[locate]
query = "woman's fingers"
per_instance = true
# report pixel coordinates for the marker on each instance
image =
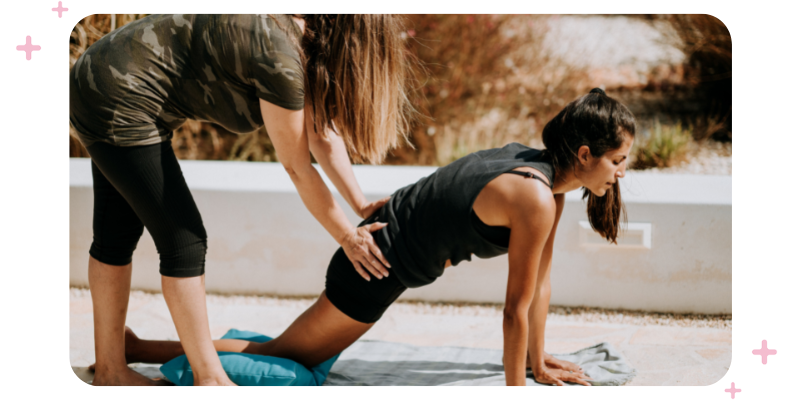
(379, 255)
(374, 254)
(375, 226)
(362, 251)
(576, 379)
(368, 266)
(360, 270)
(370, 208)
(374, 266)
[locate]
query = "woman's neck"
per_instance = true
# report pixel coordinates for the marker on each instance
(565, 181)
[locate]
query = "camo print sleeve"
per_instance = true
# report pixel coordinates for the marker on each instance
(277, 69)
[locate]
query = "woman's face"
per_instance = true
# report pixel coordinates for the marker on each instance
(599, 174)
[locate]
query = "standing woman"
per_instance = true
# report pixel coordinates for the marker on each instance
(331, 85)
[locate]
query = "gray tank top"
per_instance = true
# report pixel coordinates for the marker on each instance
(430, 221)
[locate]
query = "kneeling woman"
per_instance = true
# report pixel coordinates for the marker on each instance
(491, 202)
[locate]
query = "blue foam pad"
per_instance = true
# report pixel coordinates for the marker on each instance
(251, 369)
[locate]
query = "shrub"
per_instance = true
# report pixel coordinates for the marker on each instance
(662, 147)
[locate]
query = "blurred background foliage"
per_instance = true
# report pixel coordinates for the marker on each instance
(482, 81)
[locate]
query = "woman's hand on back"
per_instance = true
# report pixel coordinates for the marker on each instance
(363, 252)
(367, 209)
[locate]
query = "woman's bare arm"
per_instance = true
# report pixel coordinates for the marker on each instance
(538, 315)
(331, 153)
(541, 298)
(286, 130)
(530, 209)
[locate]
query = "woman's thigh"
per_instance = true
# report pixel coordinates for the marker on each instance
(348, 308)
(321, 332)
(362, 300)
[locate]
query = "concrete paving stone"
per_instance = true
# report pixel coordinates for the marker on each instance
(720, 354)
(697, 376)
(654, 358)
(80, 306)
(564, 346)
(615, 340)
(649, 378)
(579, 331)
(687, 336)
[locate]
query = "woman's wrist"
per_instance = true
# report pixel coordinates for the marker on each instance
(346, 235)
(359, 206)
(538, 368)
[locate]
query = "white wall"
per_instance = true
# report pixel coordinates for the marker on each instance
(262, 240)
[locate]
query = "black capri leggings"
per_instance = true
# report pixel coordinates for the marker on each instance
(142, 186)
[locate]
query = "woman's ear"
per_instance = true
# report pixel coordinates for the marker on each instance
(584, 155)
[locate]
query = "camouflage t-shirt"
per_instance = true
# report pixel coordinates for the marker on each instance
(140, 82)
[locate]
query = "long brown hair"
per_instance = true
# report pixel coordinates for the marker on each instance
(601, 123)
(356, 80)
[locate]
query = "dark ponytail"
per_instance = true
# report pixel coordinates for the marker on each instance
(601, 123)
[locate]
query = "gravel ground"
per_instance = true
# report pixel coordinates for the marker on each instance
(557, 313)
(578, 315)
(710, 158)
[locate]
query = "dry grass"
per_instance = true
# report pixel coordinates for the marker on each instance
(485, 81)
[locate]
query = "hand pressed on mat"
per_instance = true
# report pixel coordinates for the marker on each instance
(557, 377)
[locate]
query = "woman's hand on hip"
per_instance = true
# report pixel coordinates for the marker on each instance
(367, 209)
(360, 248)
(558, 376)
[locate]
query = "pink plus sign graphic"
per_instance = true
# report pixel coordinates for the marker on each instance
(60, 9)
(733, 390)
(28, 48)
(764, 352)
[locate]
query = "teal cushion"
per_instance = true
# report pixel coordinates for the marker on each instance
(251, 369)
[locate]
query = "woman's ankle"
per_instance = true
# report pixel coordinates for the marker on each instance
(132, 346)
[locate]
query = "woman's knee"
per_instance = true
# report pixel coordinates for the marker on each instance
(184, 262)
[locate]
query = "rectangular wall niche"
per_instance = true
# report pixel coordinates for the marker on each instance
(636, 235)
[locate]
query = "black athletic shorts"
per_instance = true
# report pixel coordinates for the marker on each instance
(362, 300)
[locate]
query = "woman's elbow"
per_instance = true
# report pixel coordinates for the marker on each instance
(297, 170)
(514, 314)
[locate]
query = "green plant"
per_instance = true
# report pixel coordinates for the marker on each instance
(664, 147)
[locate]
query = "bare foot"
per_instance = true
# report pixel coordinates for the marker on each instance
(125, 377)
(131, 341)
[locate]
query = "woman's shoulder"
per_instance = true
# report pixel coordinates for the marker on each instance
(278, 73)
(281, 31)
(516, 197)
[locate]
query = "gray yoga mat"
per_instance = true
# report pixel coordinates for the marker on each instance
(377, 363)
